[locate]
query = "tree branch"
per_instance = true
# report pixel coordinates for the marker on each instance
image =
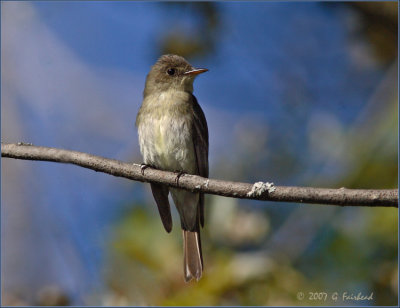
(257, 191)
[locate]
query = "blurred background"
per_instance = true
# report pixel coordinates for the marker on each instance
(297, 94)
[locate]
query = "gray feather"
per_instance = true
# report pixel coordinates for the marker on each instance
(192, 259)
(200, 142)
(160, 194)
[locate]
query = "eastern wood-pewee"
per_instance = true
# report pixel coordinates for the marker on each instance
(173, 136)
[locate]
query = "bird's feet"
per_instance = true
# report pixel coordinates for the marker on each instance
(143, 167)
(178, 176)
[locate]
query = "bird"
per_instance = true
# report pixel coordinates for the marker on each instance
(173, 136)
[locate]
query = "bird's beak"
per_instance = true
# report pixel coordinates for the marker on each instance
(196, 71)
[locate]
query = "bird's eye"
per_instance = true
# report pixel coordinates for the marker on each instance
(171, 71)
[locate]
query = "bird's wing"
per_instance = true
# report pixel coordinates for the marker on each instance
(200, 142)
(160, 193)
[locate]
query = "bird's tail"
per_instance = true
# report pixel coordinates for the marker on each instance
(192, 256)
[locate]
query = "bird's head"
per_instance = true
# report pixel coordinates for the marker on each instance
(171, 72)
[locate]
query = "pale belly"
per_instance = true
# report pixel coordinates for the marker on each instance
(167, 144)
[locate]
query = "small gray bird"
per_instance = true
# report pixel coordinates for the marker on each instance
(173, 136)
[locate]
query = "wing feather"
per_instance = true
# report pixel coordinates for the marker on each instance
(160, 194)
(200, 143)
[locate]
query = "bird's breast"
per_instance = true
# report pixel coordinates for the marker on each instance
(165, 134)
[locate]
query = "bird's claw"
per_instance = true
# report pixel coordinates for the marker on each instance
(143, 167)
(178, 176)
